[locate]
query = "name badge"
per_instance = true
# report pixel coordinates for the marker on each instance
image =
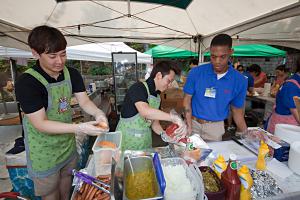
(210, 92)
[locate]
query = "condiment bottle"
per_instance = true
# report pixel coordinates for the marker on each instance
(231, 179)
(219, 165)
(169, 135)
(262, 153)
(246, 183)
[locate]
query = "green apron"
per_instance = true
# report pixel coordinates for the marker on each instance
(136, 130)
(47, 153)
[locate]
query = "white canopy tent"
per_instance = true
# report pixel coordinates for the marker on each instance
(89, 52)
(6, 52)
(187, 24)
(102, 52)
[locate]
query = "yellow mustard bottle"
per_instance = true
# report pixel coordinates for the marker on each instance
(219, 165)
(246, 183)
(262, 153)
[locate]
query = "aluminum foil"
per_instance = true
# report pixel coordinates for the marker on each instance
(263, 185)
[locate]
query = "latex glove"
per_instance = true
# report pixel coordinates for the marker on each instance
(181, 131)
(89, 128)
(166, 138)
(254, 135)
(101, 117)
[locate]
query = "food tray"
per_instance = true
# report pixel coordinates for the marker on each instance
(140, 164)
(194, 177)
(220, 195)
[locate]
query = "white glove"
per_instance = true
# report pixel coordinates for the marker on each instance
(254, 135)
(89, 128)
(166, 138)
(101, 117)
(181, 131)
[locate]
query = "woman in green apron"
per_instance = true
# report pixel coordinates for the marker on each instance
(140, 111)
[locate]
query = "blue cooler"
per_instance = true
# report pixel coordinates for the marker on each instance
(18, 174)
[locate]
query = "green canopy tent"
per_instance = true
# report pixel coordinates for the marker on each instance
(162, 51)
(255, 50)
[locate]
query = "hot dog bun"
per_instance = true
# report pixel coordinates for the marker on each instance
(102, 125)
(107, 144)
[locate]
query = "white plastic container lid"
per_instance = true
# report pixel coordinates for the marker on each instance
(232, 156)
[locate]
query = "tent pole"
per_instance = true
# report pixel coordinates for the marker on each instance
(81, 67)
(200, 53)
(129, 9)
(12, 71)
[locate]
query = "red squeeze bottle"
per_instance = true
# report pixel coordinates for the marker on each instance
(231, 179)
(171, 129)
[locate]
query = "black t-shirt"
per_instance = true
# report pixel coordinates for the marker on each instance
(137, 92)
(33, 95)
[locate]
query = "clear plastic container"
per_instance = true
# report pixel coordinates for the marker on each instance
(137, 167)
(193, 176)
(103, 155)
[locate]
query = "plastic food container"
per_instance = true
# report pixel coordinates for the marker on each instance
(194, 178)
(140, 180)
(220, 195)
(190, 156)
(103, 155)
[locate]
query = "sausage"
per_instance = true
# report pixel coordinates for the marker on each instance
(81, 188)
(86, 191)
(92, 193)
(107, 198)
(98, 192)
(89, 193)
(104, 196)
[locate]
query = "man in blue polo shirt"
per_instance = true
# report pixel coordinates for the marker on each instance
(248, 76)
(211, 89)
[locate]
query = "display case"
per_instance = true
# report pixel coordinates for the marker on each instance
(124, 75)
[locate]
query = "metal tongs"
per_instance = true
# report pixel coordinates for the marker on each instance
(91, 180)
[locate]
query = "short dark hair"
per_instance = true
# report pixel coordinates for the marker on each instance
(194, 61)
(46, 39)
(240, 66)
(281, 68)
(298, 65)
(164, 67)
(221, 40)
(255, 68)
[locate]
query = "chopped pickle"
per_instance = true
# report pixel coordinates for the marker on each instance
(210, 182)
(141, 185)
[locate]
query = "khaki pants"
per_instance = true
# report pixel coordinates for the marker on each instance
(45, 186)
(209, 131)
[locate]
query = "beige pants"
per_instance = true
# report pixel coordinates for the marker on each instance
(209, 131)
(45, 186)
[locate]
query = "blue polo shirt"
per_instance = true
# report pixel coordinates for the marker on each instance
(284, 97)
(250, 79)
(231, 89)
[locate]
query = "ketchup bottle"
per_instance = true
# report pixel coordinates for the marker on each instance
(231, 179)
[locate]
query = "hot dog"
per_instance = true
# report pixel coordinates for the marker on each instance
(102, 125)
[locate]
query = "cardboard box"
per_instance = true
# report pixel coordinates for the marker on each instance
(172, 99)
